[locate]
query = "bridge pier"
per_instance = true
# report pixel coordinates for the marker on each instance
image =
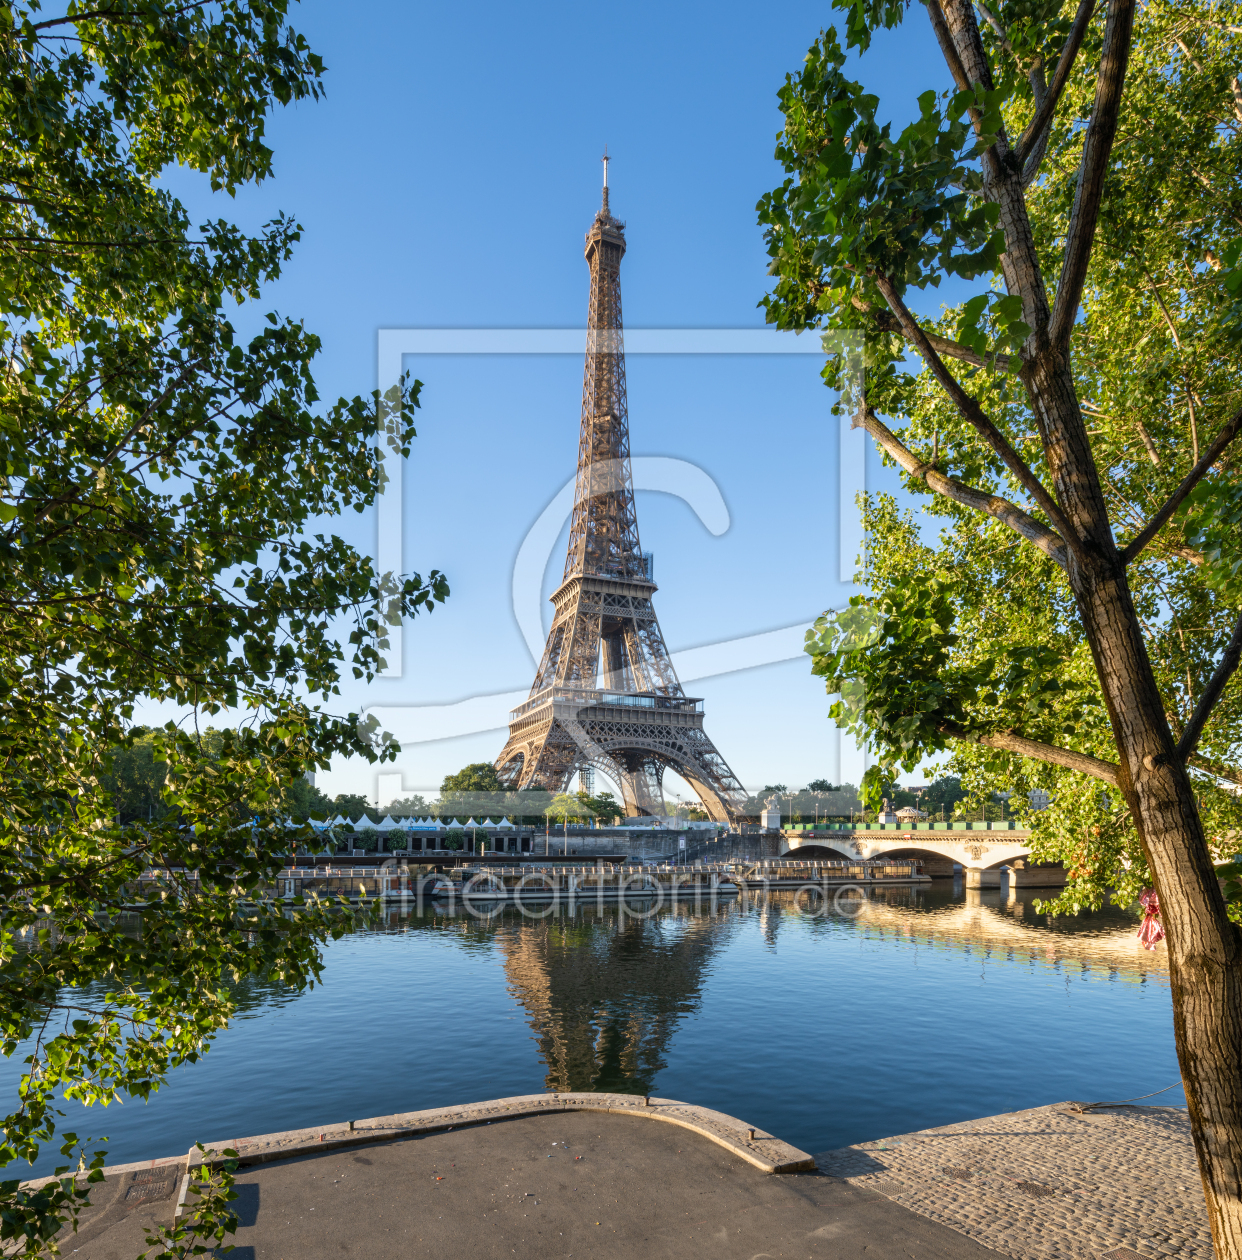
(1037, 877)
(972, 877)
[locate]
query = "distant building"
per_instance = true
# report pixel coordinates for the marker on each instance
(1038, 798)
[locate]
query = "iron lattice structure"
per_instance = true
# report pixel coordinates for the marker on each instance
(606, 695)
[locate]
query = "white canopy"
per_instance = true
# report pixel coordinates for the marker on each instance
(455, 823)
(386, 823)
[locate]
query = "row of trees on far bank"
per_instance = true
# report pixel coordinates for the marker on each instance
(135, 779)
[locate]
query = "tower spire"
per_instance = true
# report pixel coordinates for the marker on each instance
(604, 208)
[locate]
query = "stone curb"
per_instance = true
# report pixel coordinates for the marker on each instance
(113, 1170)
(763, 1150)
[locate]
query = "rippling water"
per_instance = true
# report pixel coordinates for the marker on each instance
(902, 1011)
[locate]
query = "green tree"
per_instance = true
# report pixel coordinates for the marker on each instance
(355, 807)
(1078, 625)
(134, 779)
(304, 801)
(479, 776)
(474, 791)
(605, 806)
(409, 807)
(158, 473)
(563, 807)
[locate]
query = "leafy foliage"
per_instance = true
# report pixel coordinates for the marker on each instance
(480, 776)
(976, 633)
(161, 477)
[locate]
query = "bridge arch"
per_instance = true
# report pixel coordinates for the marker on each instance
(821, 851)
(940, 851)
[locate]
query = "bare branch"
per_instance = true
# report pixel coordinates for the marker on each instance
(1007, 741)
(1231, 429)
(1036, 134)
(975, 414)
(1080, 237)
(1007, 513)
(1211, 694)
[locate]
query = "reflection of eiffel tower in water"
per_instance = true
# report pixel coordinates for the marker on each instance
(606, 694)
(605, 994)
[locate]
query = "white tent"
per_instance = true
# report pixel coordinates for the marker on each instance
(504, 822)
(456, 824)
(471, 823)
(386, 823)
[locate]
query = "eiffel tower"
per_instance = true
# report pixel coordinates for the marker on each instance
(606, 696)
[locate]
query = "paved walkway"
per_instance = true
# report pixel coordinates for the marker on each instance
(607, 1187)
(1044, 1184)
(1047, 1184)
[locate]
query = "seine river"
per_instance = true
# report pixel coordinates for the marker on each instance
(918, 1009)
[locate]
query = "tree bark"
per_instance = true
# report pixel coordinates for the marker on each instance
(1204, 946)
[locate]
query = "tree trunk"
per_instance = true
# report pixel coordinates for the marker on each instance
(1204, 945)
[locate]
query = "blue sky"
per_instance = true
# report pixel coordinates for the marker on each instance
(447, 181)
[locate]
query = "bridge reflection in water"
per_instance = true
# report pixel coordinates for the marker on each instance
(1003, 925)
(605, 989)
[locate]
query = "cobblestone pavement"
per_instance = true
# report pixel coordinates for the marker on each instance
(1048, 1184)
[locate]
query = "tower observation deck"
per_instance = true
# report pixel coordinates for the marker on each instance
(606, 694)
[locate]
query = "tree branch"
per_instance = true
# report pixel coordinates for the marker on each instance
(1211, 694)
(1096, 150)
(975, 415)
(1230, 430)
(1050, 543)
(886, 321)
(1214, 767)
(1007, 741)
(109, 14)
(1036, 134)
(945, 39)
(71, 495)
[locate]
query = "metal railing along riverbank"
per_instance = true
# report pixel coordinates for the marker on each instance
(600, 881)
(580, 881)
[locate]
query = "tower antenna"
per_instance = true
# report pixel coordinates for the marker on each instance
(606, 160)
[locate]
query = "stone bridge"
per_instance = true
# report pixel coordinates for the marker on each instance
(980, 849)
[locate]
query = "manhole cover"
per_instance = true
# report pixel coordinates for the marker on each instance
(148, 1190)
(962, 1174)
(151, 1174)
(890, 1189)
(1035, 1191)
(1124, 1253)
